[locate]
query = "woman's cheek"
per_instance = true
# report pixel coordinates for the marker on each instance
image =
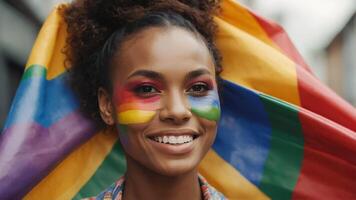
(207, 107)
(135, 110)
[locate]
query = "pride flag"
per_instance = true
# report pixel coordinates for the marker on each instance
(282, 134)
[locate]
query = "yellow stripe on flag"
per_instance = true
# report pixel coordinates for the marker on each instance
(227, 179)
(254, 64)
(48, 48)
(238, 16)
(73, 172)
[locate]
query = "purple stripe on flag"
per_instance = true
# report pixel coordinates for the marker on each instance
(28, 152)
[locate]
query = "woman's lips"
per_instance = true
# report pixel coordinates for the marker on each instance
(173, 142)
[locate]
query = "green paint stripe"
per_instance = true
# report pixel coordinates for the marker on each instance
(284, 161)
(34, 71)
(212, 114)
(111, 169)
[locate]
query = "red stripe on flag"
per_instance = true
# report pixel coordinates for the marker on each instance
(318, 98)
(329, 164)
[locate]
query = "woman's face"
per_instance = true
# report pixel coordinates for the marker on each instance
(165, 102)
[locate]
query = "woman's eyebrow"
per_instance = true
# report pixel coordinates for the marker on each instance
(147, 73)
(193, 74)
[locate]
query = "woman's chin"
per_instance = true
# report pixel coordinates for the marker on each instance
(176, 167)
(171, 164)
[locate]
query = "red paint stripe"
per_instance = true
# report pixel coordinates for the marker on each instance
(277, 34)
(128, 97)
(329, 165)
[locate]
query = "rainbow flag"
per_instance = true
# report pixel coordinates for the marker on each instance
(282, 134)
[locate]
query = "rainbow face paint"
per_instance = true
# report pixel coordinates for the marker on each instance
(134, 109)
(207, 107)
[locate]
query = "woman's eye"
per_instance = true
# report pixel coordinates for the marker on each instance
(198, 89)
(146, 90)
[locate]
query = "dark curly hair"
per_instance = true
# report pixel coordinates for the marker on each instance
(97, 28)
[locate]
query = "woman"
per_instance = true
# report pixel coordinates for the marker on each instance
(149, 69)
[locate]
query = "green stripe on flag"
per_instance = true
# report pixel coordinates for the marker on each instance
(284, 161)
(110, 170)
(33, 71)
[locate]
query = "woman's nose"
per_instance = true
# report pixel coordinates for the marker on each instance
(176, 108)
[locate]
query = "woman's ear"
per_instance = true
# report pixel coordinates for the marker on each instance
(105, 106)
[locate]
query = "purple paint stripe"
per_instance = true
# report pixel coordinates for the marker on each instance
(28, 152)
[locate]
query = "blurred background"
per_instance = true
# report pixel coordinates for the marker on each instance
(324, 31)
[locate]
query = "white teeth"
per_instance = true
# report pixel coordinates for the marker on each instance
(173, 139)
(165, 139)
(180, 139)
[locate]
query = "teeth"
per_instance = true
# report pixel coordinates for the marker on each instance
(180, 139)
(165, 139)
(173, 139)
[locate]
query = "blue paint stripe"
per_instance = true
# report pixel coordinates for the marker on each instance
(41, 101)
(244, 131)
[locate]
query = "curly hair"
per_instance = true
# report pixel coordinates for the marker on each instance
(96, 28)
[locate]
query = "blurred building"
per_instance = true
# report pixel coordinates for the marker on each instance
(341, 57)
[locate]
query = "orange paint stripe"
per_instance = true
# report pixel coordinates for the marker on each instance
(138, 106)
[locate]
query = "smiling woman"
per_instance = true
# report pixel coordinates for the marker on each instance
(150, 70)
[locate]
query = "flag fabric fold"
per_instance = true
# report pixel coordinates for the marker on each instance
(282, 133)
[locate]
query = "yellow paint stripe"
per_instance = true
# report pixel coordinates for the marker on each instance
(252, 63)
(48, 47)
(75, 170)
(227, 179)
(239, 17)
(135, 116)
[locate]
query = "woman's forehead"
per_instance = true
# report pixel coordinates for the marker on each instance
(170, 51)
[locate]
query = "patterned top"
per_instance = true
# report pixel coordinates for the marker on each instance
(115, 191)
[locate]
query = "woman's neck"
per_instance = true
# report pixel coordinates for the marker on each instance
(142, 183)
